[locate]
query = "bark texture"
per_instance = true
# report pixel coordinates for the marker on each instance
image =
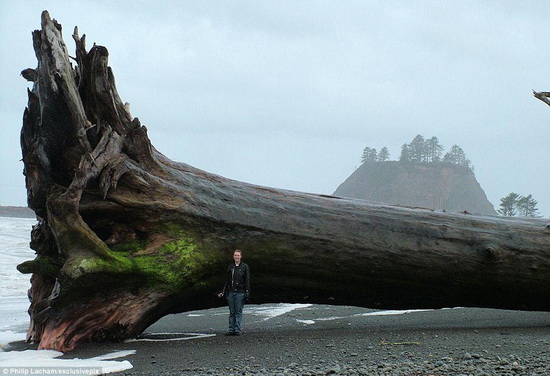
(126, 236)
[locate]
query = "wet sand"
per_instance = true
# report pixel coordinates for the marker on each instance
(318, 340)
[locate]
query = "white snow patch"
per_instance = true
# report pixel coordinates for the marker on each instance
(394, 312)
(48, 361)
(332, 318)
(176, 337)
(306, 322)
(8, 336)
(271, 311)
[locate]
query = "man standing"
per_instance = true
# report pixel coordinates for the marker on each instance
(236, 290)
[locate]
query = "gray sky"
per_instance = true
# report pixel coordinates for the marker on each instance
(288, 93)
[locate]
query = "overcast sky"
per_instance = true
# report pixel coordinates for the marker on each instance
(288, 93)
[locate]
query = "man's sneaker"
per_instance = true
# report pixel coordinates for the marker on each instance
(230, 333)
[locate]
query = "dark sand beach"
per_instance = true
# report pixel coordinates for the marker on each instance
(321, 340)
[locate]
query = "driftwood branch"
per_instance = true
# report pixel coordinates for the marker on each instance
(126, 236)
(543, 96)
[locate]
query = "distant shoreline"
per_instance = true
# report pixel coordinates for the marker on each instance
(16, 212)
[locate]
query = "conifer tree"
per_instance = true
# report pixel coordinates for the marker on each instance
(369, 155)
(456, 156)
(405, 153)
(527, 207)
(433, 149)
(383, 154)
(417, 149)
(508, 205)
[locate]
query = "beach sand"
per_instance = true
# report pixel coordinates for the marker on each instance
(320, 340)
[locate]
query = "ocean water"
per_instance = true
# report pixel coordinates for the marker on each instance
(14, 249)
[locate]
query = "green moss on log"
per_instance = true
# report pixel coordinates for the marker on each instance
(44, 265)
(176, 264)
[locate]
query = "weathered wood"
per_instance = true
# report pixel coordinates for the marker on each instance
(127, 236)
(543, 96)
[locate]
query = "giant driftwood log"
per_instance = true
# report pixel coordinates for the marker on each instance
(126, 236)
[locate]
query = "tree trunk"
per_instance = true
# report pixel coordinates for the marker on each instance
(126, 236)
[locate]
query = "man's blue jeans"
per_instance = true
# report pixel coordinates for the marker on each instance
(235, 300)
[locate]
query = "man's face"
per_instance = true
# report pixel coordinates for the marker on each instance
(237, 257)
